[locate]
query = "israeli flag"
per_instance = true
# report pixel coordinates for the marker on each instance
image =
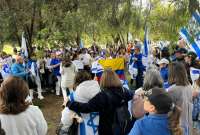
(190, 40)
(146, 59)
(81, 44)
(194, 73)
(96, 68)
(146, 44)
(24, 47)
(196, 16)
(6, 71)
(130, 37)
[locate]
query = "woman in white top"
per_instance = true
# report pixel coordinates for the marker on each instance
(17, 116)
(67, 70)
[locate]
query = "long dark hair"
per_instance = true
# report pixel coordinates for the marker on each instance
(80, 77)
(66, 61)
(178, 74)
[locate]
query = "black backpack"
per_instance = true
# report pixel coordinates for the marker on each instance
(122, 118)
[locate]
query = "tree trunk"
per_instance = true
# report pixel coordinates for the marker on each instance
(78, 39)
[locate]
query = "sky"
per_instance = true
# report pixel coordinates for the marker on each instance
(145, 2)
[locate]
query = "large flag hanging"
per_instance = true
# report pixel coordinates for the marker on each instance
(130, 37)
(24, 47)
(146, 43)
(146, 59)
(191, 33)
(81, 44)
(190, 40)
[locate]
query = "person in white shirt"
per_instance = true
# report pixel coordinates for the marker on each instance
(77, 63)
(19, 117)
(86, 59)
(67, 71)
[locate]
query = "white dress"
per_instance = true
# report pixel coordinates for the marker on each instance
(29, 122)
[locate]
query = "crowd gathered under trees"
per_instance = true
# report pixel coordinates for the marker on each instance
(119, 90)
(161, 96)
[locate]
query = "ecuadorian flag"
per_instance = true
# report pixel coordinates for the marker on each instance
(116, 65)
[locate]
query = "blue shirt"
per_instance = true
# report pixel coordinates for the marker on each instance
(138, 63)
(18, 70)
(56, 70)
(153, 124)
(164, 73)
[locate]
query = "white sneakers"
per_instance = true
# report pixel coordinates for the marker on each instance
(39, 95)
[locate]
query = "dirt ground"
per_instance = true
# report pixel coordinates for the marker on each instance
(51, 108)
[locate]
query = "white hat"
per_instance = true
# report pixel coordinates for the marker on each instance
(163, 61)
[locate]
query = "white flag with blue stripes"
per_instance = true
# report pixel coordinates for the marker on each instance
(24, 47)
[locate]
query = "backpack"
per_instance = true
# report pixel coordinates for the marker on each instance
(122, 118)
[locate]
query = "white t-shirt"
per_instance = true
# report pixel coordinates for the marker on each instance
(78, 64)
(29, 122)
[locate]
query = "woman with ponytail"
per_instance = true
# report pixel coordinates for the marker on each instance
(181, 93)
(163, 118)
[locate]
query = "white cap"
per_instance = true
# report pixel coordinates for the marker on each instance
(163, 61)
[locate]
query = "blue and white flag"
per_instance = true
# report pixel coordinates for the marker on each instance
(81, 44)
(190, 40)
(96, 68)
(194, 73)
(196, 16)
(24, 47)
(146, 43)
(146, 59)
(130, 37)
(6, 71)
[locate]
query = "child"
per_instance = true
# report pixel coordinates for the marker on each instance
(163, 118)
(163, 64)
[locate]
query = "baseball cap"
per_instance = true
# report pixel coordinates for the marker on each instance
(191, 54)
(163, 61)
(181, 50)
(160, 99)
(138, 46)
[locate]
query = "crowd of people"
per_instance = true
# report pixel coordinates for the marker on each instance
(163, 96)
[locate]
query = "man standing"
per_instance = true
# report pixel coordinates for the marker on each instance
(138, 64)
(55, 66)
(18, 69)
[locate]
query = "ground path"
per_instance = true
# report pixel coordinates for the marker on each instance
(51, 108)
